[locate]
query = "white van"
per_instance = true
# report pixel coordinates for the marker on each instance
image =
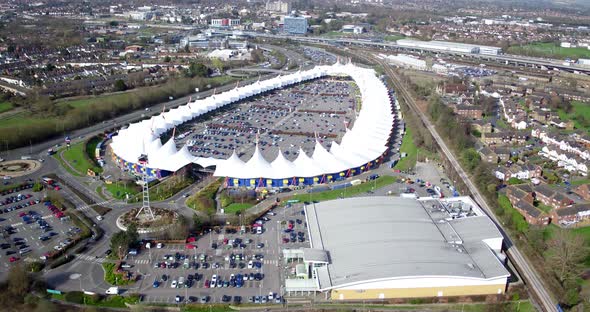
(24, 251)
(112, 291)
(181, 281)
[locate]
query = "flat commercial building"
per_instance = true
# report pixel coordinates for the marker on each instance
(295, 25)
(391, 247)
(450, 46)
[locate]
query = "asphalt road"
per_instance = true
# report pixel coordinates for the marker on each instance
(527, 271)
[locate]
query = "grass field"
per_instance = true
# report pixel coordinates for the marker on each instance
(21, 120)
(410, 148)
(76, 158)
(118, 190)
(348, 192)
(235, 207)
(580, 182)
(5, 106)
(549, 50)
(580, 115)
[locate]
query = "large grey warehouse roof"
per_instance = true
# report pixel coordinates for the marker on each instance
(372, 238)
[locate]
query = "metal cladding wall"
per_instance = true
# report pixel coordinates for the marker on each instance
(301, 181)
(139, 169)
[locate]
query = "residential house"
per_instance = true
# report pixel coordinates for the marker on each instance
(468, 111)
(583, 191)
(571, 214)
(552, 198)
(532, 214)
(488, 155)
(482, 126)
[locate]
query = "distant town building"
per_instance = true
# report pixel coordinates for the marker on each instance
(225, 22)
(353, 29)
(278, 6)
(295, 25)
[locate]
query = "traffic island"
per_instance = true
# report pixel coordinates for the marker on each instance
(19, 168)
(163, 220)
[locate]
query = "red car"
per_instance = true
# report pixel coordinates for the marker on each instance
(22, 214)
(206, 283)
(13, 259)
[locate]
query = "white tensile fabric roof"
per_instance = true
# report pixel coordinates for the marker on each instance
(365, 142)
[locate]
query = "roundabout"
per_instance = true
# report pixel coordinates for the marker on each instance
(163, 219)
(18, 168)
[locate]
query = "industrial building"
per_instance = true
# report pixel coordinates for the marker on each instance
(390, 247)
(450, 47)
(295, 25)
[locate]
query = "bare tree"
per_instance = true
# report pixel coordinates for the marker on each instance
(565, 253)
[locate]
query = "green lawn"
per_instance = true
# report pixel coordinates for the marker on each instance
(76, 158)
(580, 115)
(21, 120)
(5, 106)
(549, 50)
(584, 231)
(522, 306)
(348, 192)
(408, 146)
(235, 207)
(580, 182)
(118, 190)
(544, 208)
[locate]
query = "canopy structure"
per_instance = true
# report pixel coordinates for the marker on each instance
(360, 148)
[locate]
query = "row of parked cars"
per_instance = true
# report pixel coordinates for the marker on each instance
(56, 212)
(17, 188)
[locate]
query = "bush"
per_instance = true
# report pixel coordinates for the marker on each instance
(204, 200)
(74, 297)
(35, 266)
(37, 187)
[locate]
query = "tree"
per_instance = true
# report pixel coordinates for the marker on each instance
(18, 281)
(197, 223)
(217, 64)
(167, 59)
(565, 253)
(120, 85)
(120, 244)
(197, 70)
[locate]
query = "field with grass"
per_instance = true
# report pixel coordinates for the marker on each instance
(76, 157)
(549, 49)
(119, 189)
(5, 106)
(408, 147)
(235, 207)
(348, 192)
(580, 115)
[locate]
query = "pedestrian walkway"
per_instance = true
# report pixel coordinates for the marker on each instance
(89, 258)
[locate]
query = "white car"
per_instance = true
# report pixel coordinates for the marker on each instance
(99, 218)
(112, 291)
(250, 264)
(174, 284)
(271, 296)
(159, 245)
(214, 278)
